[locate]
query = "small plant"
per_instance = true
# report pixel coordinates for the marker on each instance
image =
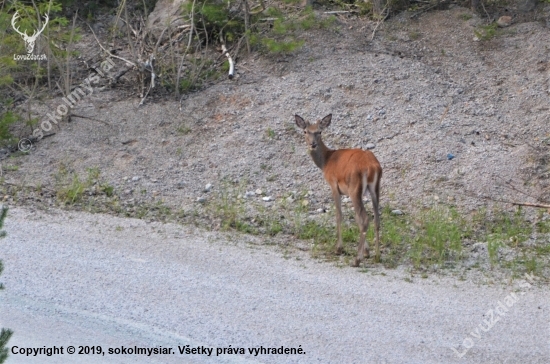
(414, 35)
(183, 130)
(11, 168)
(486, 32)
(73, 192)
(492, 249)
(465, 16)
(270, 133)
(230, 210)
(71, 188)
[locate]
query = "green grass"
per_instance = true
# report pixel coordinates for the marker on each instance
(270, 133)
(230, 211)
(70, 187)
(486, 32)
(183, 130)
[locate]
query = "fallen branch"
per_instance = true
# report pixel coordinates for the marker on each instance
(109, 53)
(226, 53)
(539, 205)
(526, 204)
(90, 118)
(379, 22)
(340, 12)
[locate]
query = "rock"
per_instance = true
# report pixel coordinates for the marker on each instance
(248, 194)
(305, 203)
(201, 199)
(135, 179)
(370, 146)
(450, 156)
(180, 185)
(208, 187)
(504, 21)
(397, 212)
(267, 198)
(166, 12)
(259, 192)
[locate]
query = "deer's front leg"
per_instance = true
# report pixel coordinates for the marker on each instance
(338, 203)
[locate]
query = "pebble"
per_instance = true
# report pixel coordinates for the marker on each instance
(397, 212)
(267, 198)
(135, 179)
(180, 185)
(201, 199)
(305, 202)
(259, 192)
(450, 156)
(248, 194)
(370, 146)
(208, 187)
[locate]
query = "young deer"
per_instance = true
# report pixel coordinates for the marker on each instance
(349, 172)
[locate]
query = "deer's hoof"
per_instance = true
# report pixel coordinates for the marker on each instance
(355, 262)
(339, 250)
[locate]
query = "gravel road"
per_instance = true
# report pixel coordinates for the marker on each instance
(80, 279)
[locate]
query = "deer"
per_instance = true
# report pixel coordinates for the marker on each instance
(349, 172)
(29, 40)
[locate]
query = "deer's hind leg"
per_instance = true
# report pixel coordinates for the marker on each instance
(338, 202)
(374, 190)
(363, 222)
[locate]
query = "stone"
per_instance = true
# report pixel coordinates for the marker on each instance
(504, 21)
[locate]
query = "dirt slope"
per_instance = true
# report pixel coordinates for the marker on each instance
(421, 90)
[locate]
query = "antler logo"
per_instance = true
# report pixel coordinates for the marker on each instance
(29, 40)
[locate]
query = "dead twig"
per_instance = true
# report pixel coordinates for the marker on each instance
(109, 53)
(527, 204)
(380, 21)
(88, 117)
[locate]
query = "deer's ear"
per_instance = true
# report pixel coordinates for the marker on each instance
(325, 122)
(300, 122)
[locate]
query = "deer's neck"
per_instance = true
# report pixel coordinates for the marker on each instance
(320, 155)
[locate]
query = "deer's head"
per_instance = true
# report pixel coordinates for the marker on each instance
(312, 132)
(29, 40)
